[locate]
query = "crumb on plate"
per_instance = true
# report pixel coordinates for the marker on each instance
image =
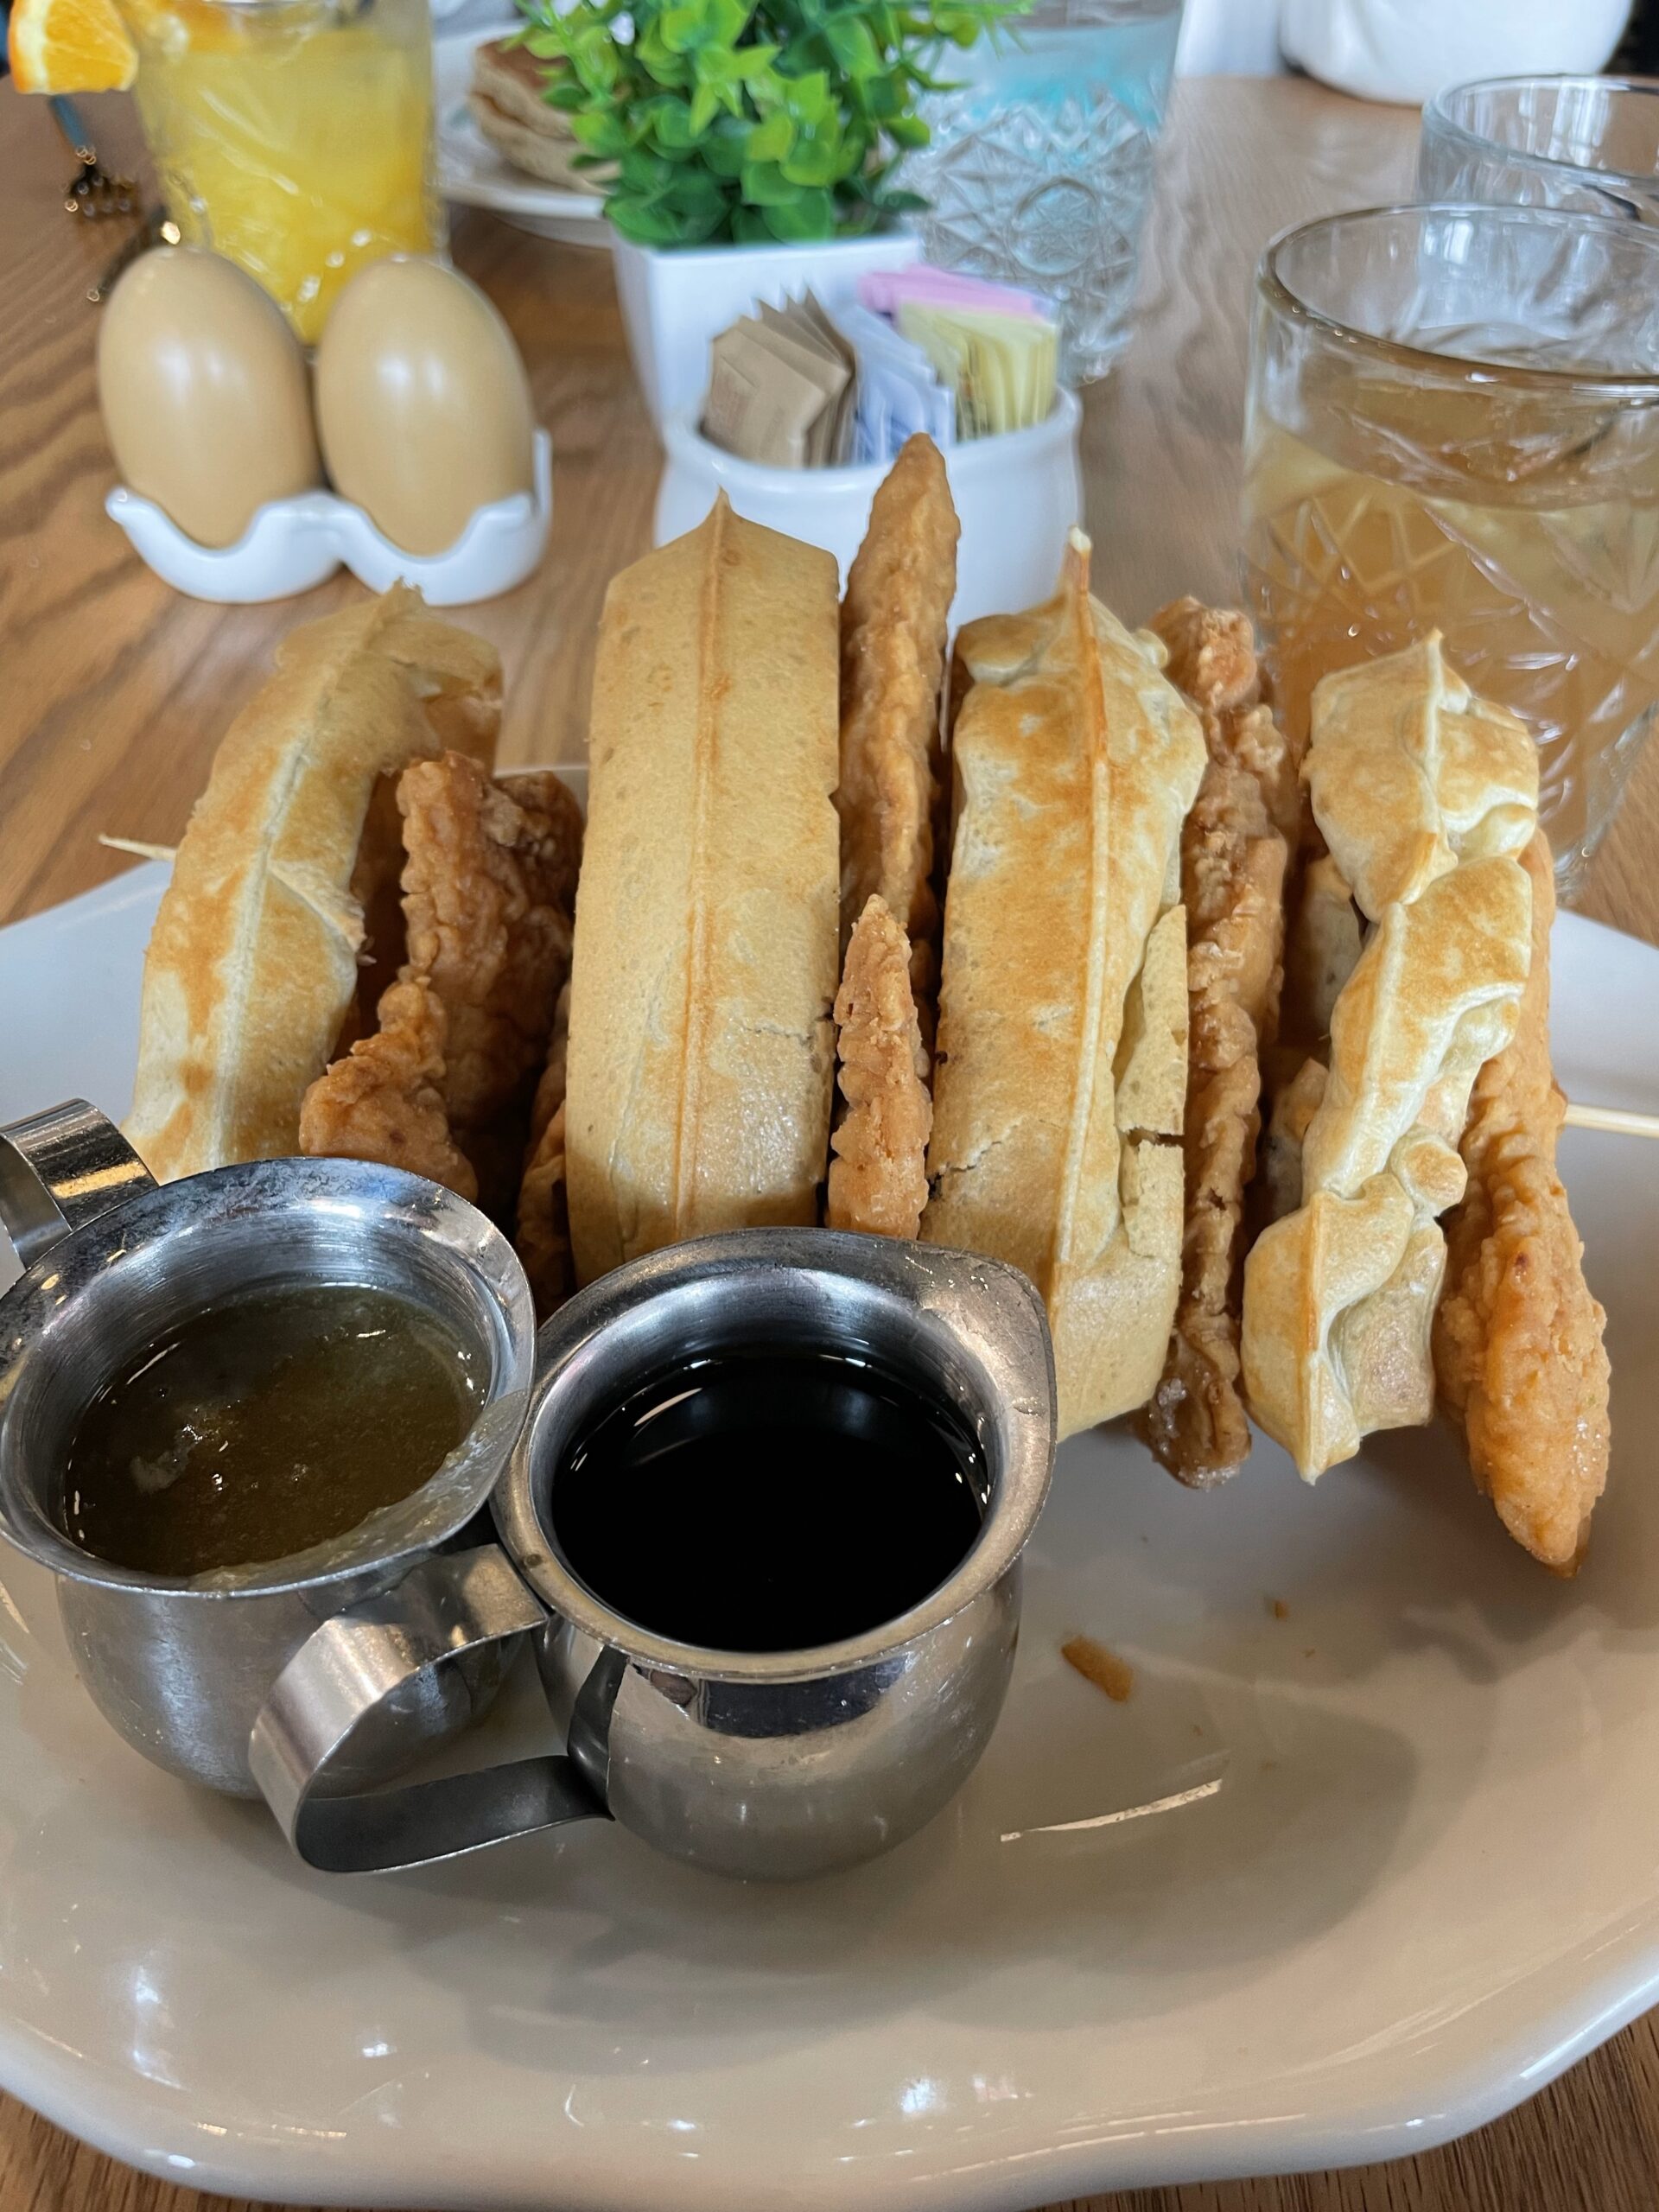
(1099, 1665)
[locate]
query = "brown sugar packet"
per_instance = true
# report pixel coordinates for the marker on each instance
(847, 413)
(786, 333)
(774, 393)
(804, 322)
(761, 406)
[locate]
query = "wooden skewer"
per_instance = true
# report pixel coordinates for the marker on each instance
(1621, 1122)
(136, 845)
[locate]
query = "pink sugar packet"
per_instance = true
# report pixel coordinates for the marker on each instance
(882, 290)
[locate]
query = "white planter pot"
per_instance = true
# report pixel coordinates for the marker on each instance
(1017, 496)
(1408, 50)
(674, 303)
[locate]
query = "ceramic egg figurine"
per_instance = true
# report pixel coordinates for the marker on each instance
(424, 407)
(204, 393)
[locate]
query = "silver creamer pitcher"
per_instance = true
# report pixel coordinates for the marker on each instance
(111, 1261)
(767, 1765)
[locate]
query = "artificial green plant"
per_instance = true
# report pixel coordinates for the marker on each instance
(719, 120)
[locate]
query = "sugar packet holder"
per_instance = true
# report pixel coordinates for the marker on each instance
(292, 544)
(1017, 495)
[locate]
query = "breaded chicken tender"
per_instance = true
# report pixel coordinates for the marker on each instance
(1233, 860)
(488, 886)
(1213, 658)
(547, 802)
(444, 1085)
(878, 1176)
(384, 1100)
(544, 1227)
(893, 639)
(1518, 1351)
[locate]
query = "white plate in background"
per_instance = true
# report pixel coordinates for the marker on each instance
(471, 171)
(1330, 1887)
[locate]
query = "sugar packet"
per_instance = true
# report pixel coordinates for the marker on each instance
(899, 391)
(886, 289)
(1001, 368)
(782, 388)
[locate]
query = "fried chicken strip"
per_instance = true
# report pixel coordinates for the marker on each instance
(543, 1228)
(1518, 1351)
(893, 639)
(1213, 658)
(548, 806)
(878, 1176)
(1233, 859)
(488, 883)
(384, 1100)
(488, 888)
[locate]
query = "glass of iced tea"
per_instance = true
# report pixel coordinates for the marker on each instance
(1454, 424)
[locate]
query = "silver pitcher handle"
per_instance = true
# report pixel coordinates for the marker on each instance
(357, 1662)
(60, 1170)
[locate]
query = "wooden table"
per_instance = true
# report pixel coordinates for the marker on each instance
(113, 693)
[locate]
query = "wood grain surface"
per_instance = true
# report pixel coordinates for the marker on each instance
(114, 691)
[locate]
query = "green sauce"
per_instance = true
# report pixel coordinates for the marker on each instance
(265, 1426)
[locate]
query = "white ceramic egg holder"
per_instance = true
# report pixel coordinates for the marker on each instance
(291, 544)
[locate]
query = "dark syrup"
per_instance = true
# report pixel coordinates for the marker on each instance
(768, 1501)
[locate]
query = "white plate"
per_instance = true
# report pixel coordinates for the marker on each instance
(1328, 1887)
(471, 171)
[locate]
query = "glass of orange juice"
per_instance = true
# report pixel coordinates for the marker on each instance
(295, 136)
(1454, 424)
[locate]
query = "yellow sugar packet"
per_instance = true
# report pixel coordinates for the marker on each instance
(1001, 367)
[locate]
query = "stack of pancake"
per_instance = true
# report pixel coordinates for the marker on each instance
(508, 100)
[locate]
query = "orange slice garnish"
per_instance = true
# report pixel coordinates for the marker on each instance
(70, 46)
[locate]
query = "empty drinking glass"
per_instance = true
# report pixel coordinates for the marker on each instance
(1590, 144)
(1039, 166)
